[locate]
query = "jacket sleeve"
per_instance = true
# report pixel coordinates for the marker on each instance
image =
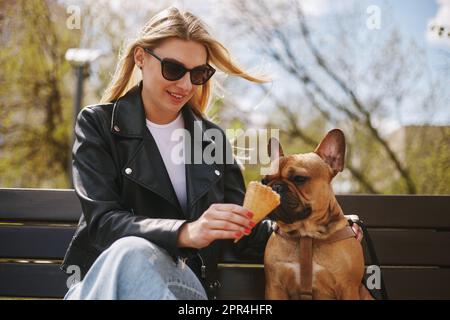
(95, 179)
(253, 245)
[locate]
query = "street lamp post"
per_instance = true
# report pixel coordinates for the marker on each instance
(80, 59)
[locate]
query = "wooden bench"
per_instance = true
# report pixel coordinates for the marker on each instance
(411, 235)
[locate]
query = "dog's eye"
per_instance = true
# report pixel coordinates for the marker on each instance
(265, 181)
(300, 179)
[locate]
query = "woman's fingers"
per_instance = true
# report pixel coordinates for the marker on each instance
(228, 226)
(230, 207)
(234, 218)
(233, 213)
(226, 221)
(223, 234)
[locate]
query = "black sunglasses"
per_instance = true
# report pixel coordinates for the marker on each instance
(173, 71)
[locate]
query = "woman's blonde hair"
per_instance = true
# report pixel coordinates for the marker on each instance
(184, 25)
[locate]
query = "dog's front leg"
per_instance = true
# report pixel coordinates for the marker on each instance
(350, 292)
(275, 292)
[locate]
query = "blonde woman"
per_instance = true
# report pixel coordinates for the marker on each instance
(152, 227)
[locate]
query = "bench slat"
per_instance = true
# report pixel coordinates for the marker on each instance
(39, 205)
(410, 247)
(32, 280)
(399, 211)
(401, 283)
(34, 242)
(394, 248)
(389, 211)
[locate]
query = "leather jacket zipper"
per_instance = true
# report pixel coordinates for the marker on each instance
(203, 267)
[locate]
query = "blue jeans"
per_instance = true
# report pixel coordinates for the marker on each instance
(135, 268)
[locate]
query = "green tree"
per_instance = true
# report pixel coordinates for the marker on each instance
(35, 104)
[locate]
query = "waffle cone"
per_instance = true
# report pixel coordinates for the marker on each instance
(260, 200)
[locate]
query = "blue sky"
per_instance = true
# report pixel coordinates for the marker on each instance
(413, 17)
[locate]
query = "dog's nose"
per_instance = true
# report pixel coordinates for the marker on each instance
(277, 187)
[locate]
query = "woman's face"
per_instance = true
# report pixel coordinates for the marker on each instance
(156, 89)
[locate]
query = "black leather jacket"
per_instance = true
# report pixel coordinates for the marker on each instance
(124, 188)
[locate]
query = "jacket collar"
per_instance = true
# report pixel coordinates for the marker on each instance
(148, 169)
(128, 116)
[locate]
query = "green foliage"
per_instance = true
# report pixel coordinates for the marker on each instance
(35, 101)
(427, 154)
(423, 150)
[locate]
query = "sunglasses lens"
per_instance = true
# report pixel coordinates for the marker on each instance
(172, 71)
(201, 75)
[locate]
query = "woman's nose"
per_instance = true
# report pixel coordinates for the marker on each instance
(185, 82)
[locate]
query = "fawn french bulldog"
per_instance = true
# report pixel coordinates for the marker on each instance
(309, 209)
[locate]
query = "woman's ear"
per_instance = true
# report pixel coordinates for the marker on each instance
(139, 57)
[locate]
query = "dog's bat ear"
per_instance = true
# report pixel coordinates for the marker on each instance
(274, 149)
(332, 150)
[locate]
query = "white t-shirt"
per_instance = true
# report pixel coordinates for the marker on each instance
(175, 167)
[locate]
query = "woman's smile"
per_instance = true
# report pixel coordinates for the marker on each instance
(175, 98)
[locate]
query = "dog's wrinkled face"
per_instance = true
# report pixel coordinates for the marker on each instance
(303, 182)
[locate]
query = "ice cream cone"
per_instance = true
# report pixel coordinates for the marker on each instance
(260, 200)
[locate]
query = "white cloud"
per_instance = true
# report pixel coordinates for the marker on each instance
(443, 14)
(315, 7)
(442, 19)
(319, 8)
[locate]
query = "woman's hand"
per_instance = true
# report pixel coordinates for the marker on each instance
(220, 221)
(358, 232)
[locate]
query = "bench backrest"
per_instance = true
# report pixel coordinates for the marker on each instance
(411, 235)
